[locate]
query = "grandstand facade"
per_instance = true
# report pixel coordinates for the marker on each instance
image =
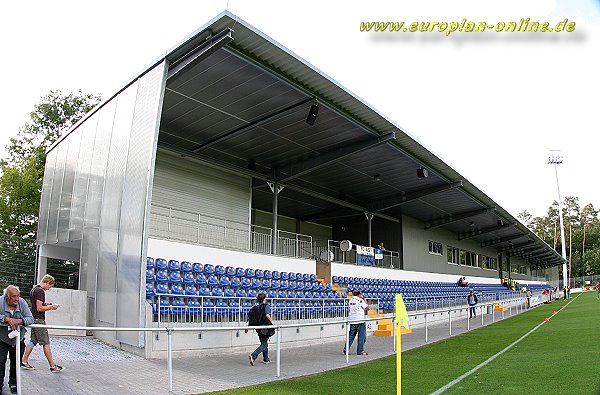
(231, 151)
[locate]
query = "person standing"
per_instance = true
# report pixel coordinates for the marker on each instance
(598, 289)
(358, 307)
(528, 297)
(263, 334)
(13, 312)
(39, 306)
(472, 301)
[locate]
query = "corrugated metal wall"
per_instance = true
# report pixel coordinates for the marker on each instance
(96, 188)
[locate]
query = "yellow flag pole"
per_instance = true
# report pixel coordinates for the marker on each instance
(401, 315)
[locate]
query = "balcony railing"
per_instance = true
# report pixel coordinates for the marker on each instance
(390, 259)
(195, 228)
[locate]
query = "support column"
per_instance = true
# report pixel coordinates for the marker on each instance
(500, 265)
(275, 188)
(369, 219)
(508, 264)
(42, 267)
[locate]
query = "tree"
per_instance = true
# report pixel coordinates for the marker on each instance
(21, 179)
(23, 170)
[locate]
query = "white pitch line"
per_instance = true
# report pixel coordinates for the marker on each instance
(490, 359)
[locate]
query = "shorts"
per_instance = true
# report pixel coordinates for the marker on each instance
(40, 335)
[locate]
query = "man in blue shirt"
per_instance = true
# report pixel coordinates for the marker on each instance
(13, 312)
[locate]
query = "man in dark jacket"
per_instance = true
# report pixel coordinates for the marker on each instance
(13, 312)
(472, 301)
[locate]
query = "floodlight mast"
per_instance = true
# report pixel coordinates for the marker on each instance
(556, 159)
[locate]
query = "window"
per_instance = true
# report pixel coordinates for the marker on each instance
(435, 248)
(462, 257)
(453, 255)
(493, 263)
(471, 258)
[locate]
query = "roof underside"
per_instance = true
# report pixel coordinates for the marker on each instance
(243, 105)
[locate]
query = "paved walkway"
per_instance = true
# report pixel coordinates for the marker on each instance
(92, 367)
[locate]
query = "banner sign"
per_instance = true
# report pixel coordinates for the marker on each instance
(360, 250)
(365, 260)
(378, 253)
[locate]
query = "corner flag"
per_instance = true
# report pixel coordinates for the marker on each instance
(401, 315)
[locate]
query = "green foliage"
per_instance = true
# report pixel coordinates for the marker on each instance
(582, 233)
(23, 170)
(21, 180)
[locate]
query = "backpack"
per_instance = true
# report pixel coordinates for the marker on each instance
(257, 317)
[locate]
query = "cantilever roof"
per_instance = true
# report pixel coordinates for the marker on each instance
(236, 98)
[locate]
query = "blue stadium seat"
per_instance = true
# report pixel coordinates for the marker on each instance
(258, 273)
(246, 282)
(306, 277)
(275, 284)
(178, 306)
(174, 265)
(165, 306)
(175, 277)
(161, 264)
(191, 290)
(292, 294)
(198, 267)
(188, 278)
(299, 294)
(228, 292)
(252, 293)
(217, 291)
(240, 272)
(292, 276)
(250, 273)
(212, 279)
(162, 288)
(308, 294)
(285, 276)
(162, 276)
(201, 279)
(282, 294)
(272, 294)
(224, 281)
(236, 282)
(150, 275)
(276, 275)
(230, 271)
(299, 286)
(204, 291)
(219, 270)
(186, 266)
(149, 263)
(313, 277)
(266, 283)
(268, 274)
(150, 291)
(177, 289)
(193, 306)
(209, 269)
(283, 284)
(241, 293)
(256, 283)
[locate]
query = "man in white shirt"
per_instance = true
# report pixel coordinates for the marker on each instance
(358, 308)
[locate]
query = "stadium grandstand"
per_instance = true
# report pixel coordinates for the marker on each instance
(231, 167)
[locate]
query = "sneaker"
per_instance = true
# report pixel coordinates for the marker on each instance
(13, 389)
(363, 353)
(344, 352)
(251, 358)
(26, 366)
(266, 362)
(56, 368)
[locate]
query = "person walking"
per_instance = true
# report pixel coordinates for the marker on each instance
(356, 317)
(472, 301)
(261, 317)
(39, 306)
(13, 312)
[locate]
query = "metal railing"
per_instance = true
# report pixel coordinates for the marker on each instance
(454, 314)
(192, 227)
(390, 259)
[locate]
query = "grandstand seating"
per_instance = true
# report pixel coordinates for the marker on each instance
(189, 288)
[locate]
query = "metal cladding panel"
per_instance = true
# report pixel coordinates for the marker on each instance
(66, 198)
(45, 197)
(106, 286)
(59, 171)
(82, 176)
(135, 207)
(91, 219)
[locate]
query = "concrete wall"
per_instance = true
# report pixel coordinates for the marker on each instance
(72, 311)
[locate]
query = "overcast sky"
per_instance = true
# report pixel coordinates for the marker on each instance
(490, 105)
